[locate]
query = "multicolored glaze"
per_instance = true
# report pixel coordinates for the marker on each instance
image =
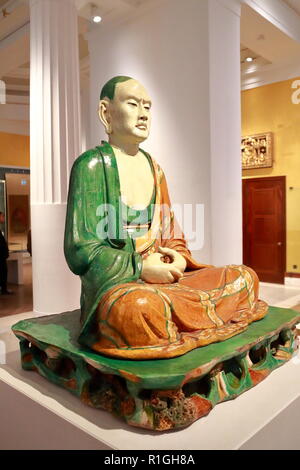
(157, 394)
(121, 314)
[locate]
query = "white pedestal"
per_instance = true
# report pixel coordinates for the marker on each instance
(36, 414)
(15, 269)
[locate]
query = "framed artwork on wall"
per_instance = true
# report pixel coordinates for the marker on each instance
(257, 151)
(19, 207)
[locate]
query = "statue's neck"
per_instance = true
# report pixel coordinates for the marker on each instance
(125, 147)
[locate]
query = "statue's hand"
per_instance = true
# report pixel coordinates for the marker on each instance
(177, 259)
(155, 271)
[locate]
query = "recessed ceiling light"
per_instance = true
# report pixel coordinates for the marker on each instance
(97, 19)
(95, 14)
(249, 59)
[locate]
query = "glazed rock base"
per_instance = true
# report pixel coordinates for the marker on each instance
(157, 394)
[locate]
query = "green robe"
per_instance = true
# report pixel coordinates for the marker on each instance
(101, 262)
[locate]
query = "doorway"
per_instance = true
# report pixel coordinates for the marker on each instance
(14, 202)
(264, 227)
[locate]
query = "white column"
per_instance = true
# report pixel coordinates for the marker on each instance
(85, 114)
(191, 68)
(55, 143)
(225, 132)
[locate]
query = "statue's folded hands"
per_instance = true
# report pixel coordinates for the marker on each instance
(174, 257)
(157, 271)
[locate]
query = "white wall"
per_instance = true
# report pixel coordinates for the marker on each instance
(168, 50)
(156, 49)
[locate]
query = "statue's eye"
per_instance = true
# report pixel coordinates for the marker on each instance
(132, 103)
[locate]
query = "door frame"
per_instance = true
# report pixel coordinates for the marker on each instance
(283, 227)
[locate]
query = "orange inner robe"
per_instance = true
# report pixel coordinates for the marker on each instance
(138, 320)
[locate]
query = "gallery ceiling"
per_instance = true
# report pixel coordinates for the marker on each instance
(276, 55)
(269, 47)
(15, 43)
(265, 39)
(11, 19)
(294, 4)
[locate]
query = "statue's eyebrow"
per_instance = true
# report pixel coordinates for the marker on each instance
(132, 97)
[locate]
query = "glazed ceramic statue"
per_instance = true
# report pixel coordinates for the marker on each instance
(145, 297)
(143, 294)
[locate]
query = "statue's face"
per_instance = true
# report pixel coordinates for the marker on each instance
(130, 111)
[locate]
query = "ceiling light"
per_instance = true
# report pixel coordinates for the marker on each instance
(97, 19)
(249, 59)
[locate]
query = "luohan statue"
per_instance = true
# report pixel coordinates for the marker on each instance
(144, 297)
(143, 294)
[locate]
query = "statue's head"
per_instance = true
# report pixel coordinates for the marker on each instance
(124, 109)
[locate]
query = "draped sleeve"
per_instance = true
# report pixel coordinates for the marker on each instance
(102, 260)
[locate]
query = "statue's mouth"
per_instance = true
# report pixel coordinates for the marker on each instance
(142, 127)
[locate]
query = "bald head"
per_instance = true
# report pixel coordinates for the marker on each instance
(109, 89)
(127, 114)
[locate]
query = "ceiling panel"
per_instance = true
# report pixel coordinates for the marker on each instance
(294, 4)
(15, 20)
(257, 59)
(266, 40)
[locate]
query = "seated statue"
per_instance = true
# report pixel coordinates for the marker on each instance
(143, 295)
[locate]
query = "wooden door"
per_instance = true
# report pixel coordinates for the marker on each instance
(264, 227)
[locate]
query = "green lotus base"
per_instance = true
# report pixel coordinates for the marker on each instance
(157, 394)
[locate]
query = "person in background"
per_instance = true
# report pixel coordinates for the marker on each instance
(29, 249)
(3, 257)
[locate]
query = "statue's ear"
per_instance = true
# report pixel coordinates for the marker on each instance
(104, 115)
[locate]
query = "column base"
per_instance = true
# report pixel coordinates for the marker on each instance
(55, 288)
(158, 394)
